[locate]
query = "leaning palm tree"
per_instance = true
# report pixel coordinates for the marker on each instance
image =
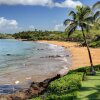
(81, 18)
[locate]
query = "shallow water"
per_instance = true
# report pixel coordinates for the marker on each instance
(22, 62)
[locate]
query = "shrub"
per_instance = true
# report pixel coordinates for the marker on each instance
(66, 84)
(95, 44)
(64, 88)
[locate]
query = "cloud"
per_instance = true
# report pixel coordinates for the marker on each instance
(26, 2)
(31, 27)
(50, 3)
(12, 26)
(59, 27)
(69, 4)
(8, 23)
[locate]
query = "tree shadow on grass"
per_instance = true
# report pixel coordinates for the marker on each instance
(91, 96)
(96, 95)
(91, 88)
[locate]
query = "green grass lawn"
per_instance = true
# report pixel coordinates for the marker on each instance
(90, 88)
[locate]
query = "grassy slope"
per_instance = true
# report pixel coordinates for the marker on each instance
(90, 88)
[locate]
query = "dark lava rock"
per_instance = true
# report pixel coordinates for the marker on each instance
(8, 54)
(52, 56)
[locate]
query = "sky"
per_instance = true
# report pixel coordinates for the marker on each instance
(24, 15)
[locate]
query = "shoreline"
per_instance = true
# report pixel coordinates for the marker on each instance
(62, 71)
(79, 54)
(37, 88)
(66, 68)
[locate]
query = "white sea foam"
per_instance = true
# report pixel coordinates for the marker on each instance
(28, 78)
(17, 82)
(65, 59)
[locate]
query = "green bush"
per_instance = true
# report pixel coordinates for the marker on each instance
(64, 88)
(66, 84)
(84, 69)
(95, 44)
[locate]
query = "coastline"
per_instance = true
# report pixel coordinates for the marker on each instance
(37, 88)
(62, 71)
(79, 54)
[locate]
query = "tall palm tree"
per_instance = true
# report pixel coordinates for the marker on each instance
(81, 18)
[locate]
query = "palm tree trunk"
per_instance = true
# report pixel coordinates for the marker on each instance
(89, 53)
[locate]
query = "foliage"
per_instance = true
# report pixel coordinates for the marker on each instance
(95, 44)
(5, 36)
(85, 69)
(66, 84)
(41, 35)
(96, 5)
(64, 88)
(59, 36)
(82, 18)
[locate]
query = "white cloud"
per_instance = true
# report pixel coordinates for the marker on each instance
(69, 4)
(5, 23)
(59, 27)
(12, 26)
(31, 27)
(26, 2)
(50, 3)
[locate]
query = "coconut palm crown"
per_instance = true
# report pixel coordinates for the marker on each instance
(82, 18)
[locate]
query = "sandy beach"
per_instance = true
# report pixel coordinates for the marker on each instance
(79, 54)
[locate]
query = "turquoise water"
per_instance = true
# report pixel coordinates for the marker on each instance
(23, 62)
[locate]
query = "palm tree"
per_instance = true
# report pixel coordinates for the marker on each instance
(81, 18)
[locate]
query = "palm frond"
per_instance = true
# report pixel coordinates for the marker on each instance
(78, 8)
(89, 19)
(71, 28)
(67, 21)
(98, 20)
(88, 24)
(73, 14)
(96, 15)
(86, 11)
(96, 5)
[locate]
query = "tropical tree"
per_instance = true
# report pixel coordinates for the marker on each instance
(82, 18)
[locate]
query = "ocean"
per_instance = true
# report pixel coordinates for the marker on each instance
(22, 62)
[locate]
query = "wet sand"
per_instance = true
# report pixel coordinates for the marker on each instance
(79, 54)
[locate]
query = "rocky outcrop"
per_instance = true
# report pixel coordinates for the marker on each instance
(35, 89)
